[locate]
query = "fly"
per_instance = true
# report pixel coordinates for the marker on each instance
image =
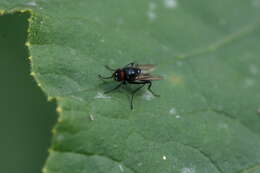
(133, 73)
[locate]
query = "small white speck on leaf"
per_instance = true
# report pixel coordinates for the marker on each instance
(170, 3)
(148, 96)
(258, 111)
(187, 170)
(164, 157)
(115, 146)
(140, 164)
(32, 3)
(121, 168)
(91, 117)
(249, 82)
(223, 125)
(173, 111)
(151, 11)
(151, 15)
(102, 96)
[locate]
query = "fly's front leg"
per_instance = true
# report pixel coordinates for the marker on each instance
(101, 77)
(109, 68)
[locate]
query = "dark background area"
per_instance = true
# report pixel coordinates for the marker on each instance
(26, 118)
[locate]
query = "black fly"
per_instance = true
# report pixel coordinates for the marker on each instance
(133, 73)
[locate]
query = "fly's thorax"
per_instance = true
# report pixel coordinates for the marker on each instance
(131, 73)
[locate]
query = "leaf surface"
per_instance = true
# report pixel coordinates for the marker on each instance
(207, 118)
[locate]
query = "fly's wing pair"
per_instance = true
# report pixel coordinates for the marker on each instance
(146, 68)
(145, 72)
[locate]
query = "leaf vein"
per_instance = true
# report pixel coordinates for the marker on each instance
(247, 30)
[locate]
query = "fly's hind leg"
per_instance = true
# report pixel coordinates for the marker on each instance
(150, 89)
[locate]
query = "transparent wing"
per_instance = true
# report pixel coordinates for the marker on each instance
(146, 68)
(148, 77)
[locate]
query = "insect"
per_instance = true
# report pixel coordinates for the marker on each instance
(133, 73)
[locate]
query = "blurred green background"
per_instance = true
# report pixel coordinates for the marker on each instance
(26, 116)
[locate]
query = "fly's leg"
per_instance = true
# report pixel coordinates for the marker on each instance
(110, 77)
(133, 93)
(118, 86)
(109, 68)
(149, 88)
(101, 77)
(132, 64)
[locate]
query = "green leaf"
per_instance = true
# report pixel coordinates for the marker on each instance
(207, 118)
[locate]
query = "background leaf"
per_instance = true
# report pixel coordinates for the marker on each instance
(26, 117)
(207, 118)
